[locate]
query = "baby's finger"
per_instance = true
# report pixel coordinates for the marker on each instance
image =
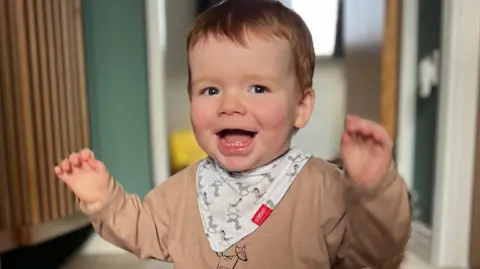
(58, 170)
(86, 154)
(74, 159)
(352, 117)
(381, 136)
(358, 126)
(65, 166)
(346, 138)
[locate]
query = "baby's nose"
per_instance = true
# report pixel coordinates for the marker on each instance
(231, 104)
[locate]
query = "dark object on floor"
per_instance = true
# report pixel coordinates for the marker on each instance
(49, 255)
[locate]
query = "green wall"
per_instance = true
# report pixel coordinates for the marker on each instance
(116, 67)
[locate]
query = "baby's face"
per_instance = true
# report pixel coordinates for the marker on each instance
(245, 101)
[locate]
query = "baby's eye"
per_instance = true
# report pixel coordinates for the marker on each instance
(210, 91)
(258, 89)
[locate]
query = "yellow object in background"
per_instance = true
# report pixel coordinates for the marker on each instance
(184, 150)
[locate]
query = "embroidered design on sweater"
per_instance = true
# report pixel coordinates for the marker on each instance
(226, 261)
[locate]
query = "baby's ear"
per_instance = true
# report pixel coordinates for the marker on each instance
(305, 108)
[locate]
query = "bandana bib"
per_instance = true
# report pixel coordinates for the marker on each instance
(234, 205)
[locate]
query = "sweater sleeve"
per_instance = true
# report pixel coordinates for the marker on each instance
(126, 221)
(374, 226)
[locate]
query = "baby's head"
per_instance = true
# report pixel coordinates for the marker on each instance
(250, 81)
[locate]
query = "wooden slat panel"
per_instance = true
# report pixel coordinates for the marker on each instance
(71, 98)
(43, 116)
(75, 85)
(58, 187)
(7, 239)
(82, 76)
(27, 124)
(5, 214)
(57, 23)
(72, 37)
(68, 90)
(11, 115)
(82, 88)
(81, 73)
(46, 84)
(36, 101)
(8, 114)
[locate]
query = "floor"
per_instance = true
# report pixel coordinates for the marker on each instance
(128, 261)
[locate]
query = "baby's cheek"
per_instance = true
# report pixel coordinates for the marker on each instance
(273, 117)
(198, 120)
(199, 115)
(200, 123)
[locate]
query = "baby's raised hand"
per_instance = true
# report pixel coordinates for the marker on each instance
(84, 175)
(366, 151)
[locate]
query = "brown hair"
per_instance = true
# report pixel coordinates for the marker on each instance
(269, 18)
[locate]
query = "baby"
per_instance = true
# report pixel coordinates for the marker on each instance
(255, 202)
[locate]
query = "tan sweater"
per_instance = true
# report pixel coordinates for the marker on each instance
(323, 221)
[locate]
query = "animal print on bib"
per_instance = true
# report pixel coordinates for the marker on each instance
(233, 205)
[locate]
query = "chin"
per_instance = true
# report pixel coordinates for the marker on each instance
(235, 163)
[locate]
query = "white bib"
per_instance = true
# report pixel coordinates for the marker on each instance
(233, 205)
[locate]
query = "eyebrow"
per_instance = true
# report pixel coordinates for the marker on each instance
(201, 79)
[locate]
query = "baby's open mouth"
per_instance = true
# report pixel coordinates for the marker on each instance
(233, 141)
(236, 136)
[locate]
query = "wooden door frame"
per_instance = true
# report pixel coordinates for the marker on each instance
(390, 66)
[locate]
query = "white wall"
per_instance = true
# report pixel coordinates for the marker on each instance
(363, 37)
(321, 136)
(180, 15)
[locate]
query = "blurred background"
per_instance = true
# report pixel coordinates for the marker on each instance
(112, 75)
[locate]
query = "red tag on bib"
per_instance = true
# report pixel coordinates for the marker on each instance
(262, 215)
